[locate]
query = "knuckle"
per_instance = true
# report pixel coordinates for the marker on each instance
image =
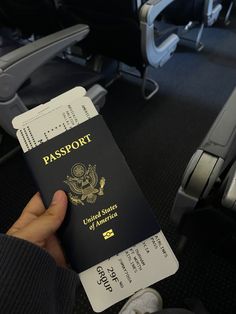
(54, 215)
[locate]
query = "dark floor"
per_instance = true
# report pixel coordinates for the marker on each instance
(158, 139)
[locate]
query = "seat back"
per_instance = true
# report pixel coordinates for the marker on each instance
(113, 8)
(114, 27)
(180, 12)
(30, 16)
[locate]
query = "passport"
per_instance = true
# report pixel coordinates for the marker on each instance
(107, 211)
(87, 179)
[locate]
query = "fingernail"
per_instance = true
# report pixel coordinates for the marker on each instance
(57, 197)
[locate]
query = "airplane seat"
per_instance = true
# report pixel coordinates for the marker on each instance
(112, 27)
(31, 17)
(34, 73)
(189, 12)
(205, 204)
(50, 75)
(7, 43)
(180, 12)
(123, 30)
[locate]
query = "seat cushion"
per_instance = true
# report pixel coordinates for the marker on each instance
(51, 79)
(54, 78)
(162, 35)
(7, 45)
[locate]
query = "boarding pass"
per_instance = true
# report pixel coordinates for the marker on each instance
(135, 268)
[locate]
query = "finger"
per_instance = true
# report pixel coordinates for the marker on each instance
(44, 226)
(33, 209)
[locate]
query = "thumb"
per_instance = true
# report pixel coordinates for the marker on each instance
(40, 229)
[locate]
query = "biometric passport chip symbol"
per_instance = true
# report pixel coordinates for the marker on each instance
(83, 184)
(108, 234)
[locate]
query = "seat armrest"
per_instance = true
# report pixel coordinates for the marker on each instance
(208, 7)
(17, 66)
(214, 155)
(152, 54)
(211, 12)
(221, 138)
(151, 9)
(98, 96)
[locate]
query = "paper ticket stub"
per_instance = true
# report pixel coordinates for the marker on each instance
(66, 98)
(122, 275)
(48, 123)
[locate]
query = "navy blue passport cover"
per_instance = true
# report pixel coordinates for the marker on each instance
(107, 211)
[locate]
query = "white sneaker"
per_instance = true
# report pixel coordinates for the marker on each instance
(144, 301)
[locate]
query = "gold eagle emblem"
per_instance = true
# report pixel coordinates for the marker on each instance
(83, 184)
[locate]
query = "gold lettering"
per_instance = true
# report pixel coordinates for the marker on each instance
(87, 136)
(92, 218)
(63, 151)
(46, 160)
(58, 154)
(68, 148)
(52, 158)
(82, 141)
(73, 145)
(106, 219)
(109, 209)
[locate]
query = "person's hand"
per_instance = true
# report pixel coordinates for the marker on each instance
(38, 225)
